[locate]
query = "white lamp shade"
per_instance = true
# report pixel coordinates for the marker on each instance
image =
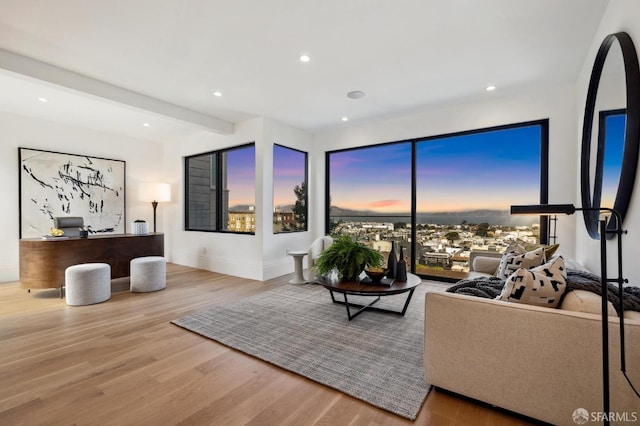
(153, 191)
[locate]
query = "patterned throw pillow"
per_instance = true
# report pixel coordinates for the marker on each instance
(513, 249)
(543, 285)
(516, 257)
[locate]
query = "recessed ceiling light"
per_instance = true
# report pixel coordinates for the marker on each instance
(216, 93)
(43, 99)
(345, 118)
(356, 94)
(146, 124)
(305, 58)
(490, 88)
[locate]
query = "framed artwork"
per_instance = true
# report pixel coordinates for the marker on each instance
(56, 184)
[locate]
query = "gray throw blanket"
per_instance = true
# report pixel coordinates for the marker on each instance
(490, 288)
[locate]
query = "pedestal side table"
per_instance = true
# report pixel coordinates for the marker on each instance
(298, 277)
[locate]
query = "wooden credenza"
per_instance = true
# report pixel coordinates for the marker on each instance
(43, 262)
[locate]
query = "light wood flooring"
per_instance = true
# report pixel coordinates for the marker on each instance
(122, 363)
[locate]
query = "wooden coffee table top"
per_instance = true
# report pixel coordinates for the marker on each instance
(354, 287)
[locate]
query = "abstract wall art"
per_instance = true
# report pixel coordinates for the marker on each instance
(57, 184)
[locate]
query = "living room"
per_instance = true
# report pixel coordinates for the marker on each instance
(263, 256)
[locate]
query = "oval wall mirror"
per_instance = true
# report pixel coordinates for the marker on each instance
(610, 142)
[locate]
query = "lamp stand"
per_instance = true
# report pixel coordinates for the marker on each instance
(620, 281)
(155, 206)
(605, 315)
(553, 220)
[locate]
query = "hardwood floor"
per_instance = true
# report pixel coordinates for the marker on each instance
(122, 363)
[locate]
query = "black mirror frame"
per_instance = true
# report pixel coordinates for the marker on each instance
(631, 137)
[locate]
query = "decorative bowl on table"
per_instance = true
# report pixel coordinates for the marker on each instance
(376, 273)
(55, 232)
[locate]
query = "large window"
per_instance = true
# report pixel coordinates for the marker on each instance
(369, 194)
(441, 197)
(289, 190)
(220, 190)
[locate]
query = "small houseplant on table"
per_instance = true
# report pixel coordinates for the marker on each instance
(348, 256)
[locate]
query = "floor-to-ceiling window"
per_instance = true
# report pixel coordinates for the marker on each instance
(441, 197)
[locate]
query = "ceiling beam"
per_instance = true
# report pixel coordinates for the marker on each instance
(33, 68)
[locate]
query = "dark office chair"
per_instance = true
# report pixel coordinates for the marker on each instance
(69, 224)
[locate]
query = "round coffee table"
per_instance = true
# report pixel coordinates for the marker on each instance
(361, 289)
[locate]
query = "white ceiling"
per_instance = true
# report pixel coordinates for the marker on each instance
(405, 55)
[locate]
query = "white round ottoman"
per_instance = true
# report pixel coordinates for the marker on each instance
(87, 283)
(148, 273)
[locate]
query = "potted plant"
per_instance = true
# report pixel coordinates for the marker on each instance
(348, 256)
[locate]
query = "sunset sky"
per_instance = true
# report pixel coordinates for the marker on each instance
(241, 175)
(288, 171)
(489, 170)
(615, 127)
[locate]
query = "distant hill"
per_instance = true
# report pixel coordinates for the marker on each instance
(490, 216)
(339, 211)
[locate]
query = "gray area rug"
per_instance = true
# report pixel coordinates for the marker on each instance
(376, 357)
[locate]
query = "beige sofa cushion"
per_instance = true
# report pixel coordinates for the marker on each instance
(485, 265)
(631, 316)
(586, 301)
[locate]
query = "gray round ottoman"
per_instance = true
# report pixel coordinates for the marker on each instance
(148, 273)
(87, 283)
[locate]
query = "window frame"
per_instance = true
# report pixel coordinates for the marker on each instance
(544, 176)
(215, 182)
(306, 183)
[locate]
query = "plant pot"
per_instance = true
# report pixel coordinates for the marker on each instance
(139, 228)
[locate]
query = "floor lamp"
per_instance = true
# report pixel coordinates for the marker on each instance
(547, 209)
(154, 192)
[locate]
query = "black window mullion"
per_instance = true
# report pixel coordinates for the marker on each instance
(414, 207)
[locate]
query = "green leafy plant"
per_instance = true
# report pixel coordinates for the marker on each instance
(348, 257)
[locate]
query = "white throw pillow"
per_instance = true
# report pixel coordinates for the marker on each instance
(543, 285)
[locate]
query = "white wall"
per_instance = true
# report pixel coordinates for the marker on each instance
(557, 104)
(261, 256)
(621, 15)
(275, 246)
(143, 163)
(234, 254)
